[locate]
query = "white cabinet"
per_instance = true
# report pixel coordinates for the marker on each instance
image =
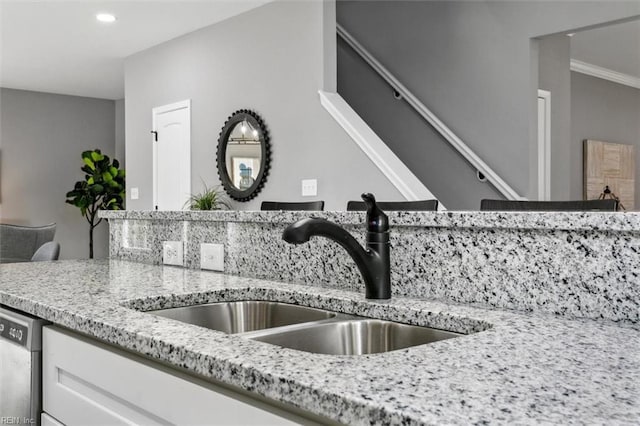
(47, 420)
(86, 382)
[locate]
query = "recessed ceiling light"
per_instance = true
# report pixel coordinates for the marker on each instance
(105, 17)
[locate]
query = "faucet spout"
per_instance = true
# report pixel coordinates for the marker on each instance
(303, 230)
(372, 262)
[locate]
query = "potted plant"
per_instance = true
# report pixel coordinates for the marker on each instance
(101, 189)
(208, 199)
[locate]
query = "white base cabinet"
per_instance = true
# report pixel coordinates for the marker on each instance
(88, 383)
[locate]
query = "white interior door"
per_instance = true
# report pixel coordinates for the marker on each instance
(172, 155)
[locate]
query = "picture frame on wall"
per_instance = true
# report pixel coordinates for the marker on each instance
(609, 166)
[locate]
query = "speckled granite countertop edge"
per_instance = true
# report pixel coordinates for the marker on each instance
(578, 221)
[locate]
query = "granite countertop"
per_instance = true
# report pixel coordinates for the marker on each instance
(578, 221)
(512, 368)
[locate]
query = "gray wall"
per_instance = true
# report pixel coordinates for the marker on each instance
(270, 60)
(605, 111)
(443, 170)
(42, 137)
(555, 77)
(471, 64)
(120, 135)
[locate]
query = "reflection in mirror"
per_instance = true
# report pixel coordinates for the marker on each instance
(243, 155)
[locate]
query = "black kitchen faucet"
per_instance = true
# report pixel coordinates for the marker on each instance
(373, 262)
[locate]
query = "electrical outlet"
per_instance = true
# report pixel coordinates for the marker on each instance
(309, 187)
(212, 257)
(172, 252)
(135, 193)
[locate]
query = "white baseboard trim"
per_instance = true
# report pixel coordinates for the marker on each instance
(389, 164)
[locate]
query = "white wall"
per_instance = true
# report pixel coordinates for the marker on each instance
(270, 60)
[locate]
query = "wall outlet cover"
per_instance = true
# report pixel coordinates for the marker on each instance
(135, 193)
(212, 257)
(309, 187)
(172, 253)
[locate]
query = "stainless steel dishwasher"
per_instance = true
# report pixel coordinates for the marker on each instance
(20, 367)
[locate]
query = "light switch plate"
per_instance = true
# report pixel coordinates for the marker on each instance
(135, 193)
(212, 257)
(309, 187)
(172, 252)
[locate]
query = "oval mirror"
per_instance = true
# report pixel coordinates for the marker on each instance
(243, 155)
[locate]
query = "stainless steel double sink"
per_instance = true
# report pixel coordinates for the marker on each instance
(306, 329)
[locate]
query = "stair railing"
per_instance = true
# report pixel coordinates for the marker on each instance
(481, 167)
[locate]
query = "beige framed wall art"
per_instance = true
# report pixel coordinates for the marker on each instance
(613, 165)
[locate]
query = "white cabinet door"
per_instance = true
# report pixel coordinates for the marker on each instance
(88, 383)
(47, 420)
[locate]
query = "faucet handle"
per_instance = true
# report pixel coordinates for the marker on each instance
(377, 221)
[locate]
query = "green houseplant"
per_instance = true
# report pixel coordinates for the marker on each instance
(101, 189)
(208, 199)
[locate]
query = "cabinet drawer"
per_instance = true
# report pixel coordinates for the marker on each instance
(87, 382)
(47, 420)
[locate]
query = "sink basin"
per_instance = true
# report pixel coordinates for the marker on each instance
(242, 317)
(355, 337)
(306, 329)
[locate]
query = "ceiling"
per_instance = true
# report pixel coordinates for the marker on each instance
(615, 47)
(58, 46)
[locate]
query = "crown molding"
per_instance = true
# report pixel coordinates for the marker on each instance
(605, 73)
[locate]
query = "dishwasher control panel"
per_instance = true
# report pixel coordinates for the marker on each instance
(14, 331)
(21, 328)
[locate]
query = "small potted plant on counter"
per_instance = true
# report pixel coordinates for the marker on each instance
(209, 199)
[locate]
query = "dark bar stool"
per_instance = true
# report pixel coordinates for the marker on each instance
(422, 205)
(607, 205)
(277, 205)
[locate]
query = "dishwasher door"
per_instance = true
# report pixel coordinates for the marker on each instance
(20, 367)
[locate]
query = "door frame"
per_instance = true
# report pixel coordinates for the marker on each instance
(544, 146)
(186, 159)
